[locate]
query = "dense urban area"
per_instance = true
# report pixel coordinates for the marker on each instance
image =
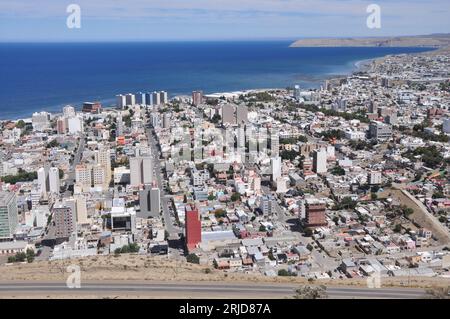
(347, 181)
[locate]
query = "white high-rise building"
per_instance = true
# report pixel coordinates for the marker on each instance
(275, 163)
(320, 161)
(135, 171)
(154, 118)
(119, 126)
(155, 201)
(75, 124)
(297, 92)
(42, 175)
(166, 120)
(331, 152)
(147, 170)
(274, 143)
(68, 111)
(40, 121)
(54, 182)
(141, 171)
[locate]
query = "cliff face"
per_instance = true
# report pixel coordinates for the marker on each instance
(435, 41)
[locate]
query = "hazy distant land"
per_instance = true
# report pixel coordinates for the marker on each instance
(433, 40)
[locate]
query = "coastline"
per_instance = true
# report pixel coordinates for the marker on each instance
(307, 82)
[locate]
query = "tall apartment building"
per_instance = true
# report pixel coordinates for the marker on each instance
(61, 125)
(275, 163)
(40, 121)
(297, 92)
(154, 119)
(79, 208)
(228, 116)
(234, 115)
(197, 98)
(68, 111)
(141, 171)
(148, 99)
(8, 215)
(48, 180)
(274, 143)
(121, 101)
(130, 99)
(92, 107)
(64, 219)
(119, 125)
(75, 124)
(149, 202)
(241, 114)
(267, 205)
(164, 98)
(315, 212)
(141, 99)
(99, 178)
(53, 180)
(43, 182)
(83, 175)
(166, 120)
(103, 158)
(374, 178)
(320, 161)
(156, 98)
(193, 227)
(380, 131)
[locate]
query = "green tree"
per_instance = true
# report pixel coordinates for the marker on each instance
(338, 171)
(235, 197)
(30, 255)
(53, 143)
(193, 259)
(308, 232)
(220, 213)
(20, 124)
(22, 176)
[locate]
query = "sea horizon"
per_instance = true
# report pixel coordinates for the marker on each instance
(52, 75)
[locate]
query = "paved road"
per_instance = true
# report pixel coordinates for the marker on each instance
(76, 160)
(171, 229)
(210, 290)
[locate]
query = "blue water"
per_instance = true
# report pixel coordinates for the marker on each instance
(48, 76)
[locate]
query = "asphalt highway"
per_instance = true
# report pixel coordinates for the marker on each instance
(211, 290)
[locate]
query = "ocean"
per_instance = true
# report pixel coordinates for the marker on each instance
(47, 76)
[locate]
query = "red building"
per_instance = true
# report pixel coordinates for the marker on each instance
(315, 213)
(89, 107)
(193, 232)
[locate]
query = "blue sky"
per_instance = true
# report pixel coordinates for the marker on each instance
(142, 20)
